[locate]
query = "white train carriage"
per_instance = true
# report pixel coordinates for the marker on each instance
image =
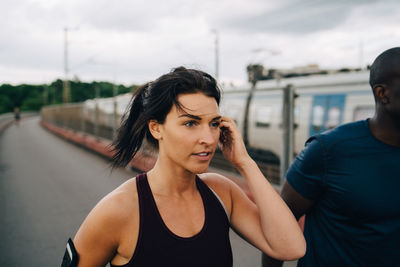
(105, 109)
(323, 102)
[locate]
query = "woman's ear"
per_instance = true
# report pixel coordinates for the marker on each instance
(154, 128)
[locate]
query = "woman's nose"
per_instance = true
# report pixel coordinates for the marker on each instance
(209, 135)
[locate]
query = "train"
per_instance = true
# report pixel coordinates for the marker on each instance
(321, 102)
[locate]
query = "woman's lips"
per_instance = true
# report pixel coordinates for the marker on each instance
(203, 155)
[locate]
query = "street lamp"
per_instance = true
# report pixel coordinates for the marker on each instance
(214, 31)
(66, 85)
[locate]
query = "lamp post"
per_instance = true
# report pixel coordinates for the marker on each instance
(66, 88)
(216, 53)
(66, 85)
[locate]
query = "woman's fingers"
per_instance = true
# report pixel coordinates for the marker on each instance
(233, 146)
(225, 137)
(227, 132)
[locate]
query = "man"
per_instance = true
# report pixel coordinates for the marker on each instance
(347, 182)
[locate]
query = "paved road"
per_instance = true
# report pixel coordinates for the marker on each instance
(47, 187)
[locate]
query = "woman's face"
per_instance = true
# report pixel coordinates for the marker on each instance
(189, 136)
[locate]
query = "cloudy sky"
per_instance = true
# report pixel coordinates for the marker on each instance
(131, 41)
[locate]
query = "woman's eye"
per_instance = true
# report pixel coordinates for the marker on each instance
(190, 124)
(215, 124)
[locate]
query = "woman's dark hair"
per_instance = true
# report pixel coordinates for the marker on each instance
(153, 101)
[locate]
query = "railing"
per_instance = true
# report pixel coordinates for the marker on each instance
(77, 117)
(90, 119)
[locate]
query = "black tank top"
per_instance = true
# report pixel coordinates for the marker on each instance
(157, 246)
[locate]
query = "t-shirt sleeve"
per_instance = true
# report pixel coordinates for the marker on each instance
(306, 174)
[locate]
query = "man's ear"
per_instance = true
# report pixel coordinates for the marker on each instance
(381, 92)
(155, 129)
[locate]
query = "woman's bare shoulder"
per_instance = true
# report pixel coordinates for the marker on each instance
(216, 180)
(105, 228)
(120, 202)
(116, 207)
(221, 185)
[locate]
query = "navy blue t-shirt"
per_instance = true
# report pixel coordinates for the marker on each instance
(354, 181)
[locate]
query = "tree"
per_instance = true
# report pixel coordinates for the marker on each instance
(33, 97)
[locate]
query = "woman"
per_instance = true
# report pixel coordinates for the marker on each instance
(176, 214)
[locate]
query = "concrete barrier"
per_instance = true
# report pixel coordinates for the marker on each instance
(142, 161)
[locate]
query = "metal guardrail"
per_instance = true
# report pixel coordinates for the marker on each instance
(97, 123)
(78, 118)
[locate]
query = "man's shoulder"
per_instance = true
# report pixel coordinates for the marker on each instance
(342, 133)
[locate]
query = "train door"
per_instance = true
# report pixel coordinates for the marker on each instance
(326, 113)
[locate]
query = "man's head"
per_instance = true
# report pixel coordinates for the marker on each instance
(385, 67)
(385, 82)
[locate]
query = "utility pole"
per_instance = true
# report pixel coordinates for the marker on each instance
(361, 54)
(66, 85)
(246, 114)
(115, 104)
(288, 130)
(216, 54)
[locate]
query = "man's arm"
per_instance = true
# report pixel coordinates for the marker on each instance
(299, 205)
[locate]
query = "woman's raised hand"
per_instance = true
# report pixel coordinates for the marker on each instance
(231, 143)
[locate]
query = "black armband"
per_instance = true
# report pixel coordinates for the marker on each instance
(70, 258)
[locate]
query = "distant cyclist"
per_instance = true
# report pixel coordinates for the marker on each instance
(17, 115)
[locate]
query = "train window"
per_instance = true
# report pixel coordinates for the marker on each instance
(263, 116)
(333, 117)
(318, 118)
(363, 112)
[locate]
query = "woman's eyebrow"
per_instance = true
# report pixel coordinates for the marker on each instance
(197, 117)
(217, 118)
(190, 116)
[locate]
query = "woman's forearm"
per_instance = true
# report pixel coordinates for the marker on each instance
(279, 225)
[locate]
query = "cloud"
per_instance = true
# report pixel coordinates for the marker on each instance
(297, 17)
(135, 16)
(137, 41)
(117, 16)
